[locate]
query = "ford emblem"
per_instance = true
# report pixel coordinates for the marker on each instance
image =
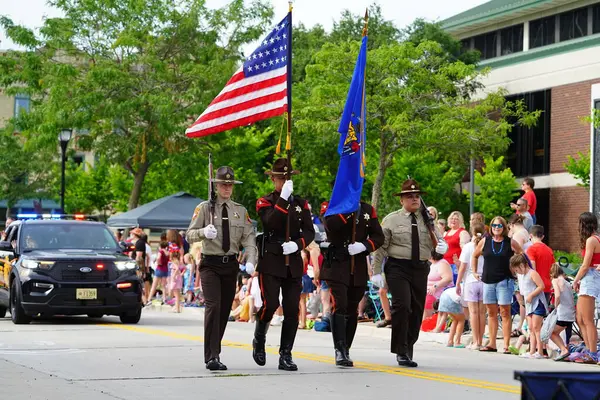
(85, 269)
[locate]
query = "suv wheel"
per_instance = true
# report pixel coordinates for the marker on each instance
(17, 314)
(132, 318)
(3, 312)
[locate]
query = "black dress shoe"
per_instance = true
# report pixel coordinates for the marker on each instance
(258, 353)
(405, 361)
(286, 363)
(215, 365)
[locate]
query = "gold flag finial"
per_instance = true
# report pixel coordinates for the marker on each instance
(291, 5)
(366, 27)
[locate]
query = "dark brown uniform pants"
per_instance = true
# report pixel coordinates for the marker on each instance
(218, 287)
(290, 293)
(407, 283)
(345, 302)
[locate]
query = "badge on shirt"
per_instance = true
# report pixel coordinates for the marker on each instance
(236, 215)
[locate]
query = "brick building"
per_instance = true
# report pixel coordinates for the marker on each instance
(546, 52)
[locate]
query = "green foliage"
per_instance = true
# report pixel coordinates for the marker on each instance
(496, 189)
(133, 73)
(580, 168)
(23, 169)
(574, 259)
(437, 177)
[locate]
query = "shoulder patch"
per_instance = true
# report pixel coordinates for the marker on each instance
(248, 218)
(262, 203)
(307, 205)
(197, 211)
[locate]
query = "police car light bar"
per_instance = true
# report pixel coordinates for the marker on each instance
(78, 217)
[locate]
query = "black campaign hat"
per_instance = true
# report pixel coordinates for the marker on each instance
(281, 168)
(225, 175)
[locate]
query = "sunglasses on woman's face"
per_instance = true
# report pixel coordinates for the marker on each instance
(499, 226)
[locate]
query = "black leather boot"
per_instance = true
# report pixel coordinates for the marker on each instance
(338, 331)
(258, 344)
(285, 359)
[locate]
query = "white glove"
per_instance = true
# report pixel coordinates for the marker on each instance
(356, 248)
(442, 247)
(210, 232)
(289, 247)
(378, 281)
(287, 190)
(249, 268)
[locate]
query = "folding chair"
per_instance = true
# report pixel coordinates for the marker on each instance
(376, 301)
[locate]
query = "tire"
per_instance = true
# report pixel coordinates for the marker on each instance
(132, 318)
(17, 313)
(3, 312)
(95, 315)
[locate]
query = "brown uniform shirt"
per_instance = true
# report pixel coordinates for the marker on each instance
(241, 231)
(397, 230)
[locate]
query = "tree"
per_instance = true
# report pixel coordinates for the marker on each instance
(23, 169)
(416, 99)
(580, 168)
(133, 73)
(496, 189)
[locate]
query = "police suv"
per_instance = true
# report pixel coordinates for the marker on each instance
(60, 266)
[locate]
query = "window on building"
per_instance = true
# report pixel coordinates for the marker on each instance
(541, 32)
(79, 159)
(573, 24)
(529, 152)
(22, 104)
(486, 44)
(465, 45)
(596, 18)
(511, 40)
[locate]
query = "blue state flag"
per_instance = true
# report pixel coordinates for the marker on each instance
(350, 177)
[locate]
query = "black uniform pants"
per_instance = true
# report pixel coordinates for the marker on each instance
(345, 301)
(407, 283)
(218, 287)
(290, 292)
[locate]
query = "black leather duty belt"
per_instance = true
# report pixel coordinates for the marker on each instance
(229, 258)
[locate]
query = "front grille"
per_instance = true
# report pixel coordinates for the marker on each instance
(69, 271)
(76, 275)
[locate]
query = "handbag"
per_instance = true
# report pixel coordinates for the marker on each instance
(548, 326)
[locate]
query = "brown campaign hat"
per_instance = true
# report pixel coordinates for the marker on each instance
(281, 167)
(225, 175)
(410, 186)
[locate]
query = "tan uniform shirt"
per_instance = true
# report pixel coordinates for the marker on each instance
(241, 231)
(397, 230)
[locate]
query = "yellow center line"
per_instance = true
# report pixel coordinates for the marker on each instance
(411, 373)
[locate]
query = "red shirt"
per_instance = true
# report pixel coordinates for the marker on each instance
(543, 257)
(453, 242)
(162, 263)
(531, 201)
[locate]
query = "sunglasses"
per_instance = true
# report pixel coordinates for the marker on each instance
(497, 226)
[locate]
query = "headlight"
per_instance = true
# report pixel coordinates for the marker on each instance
(125, 265)
(33, 264)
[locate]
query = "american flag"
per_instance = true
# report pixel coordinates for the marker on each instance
(257, 90)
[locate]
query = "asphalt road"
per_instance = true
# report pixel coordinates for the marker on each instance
(162, 358)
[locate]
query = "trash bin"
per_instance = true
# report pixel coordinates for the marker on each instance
(559, 385)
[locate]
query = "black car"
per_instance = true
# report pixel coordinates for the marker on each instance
(67, 267)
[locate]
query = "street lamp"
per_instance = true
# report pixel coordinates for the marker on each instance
(63, 137)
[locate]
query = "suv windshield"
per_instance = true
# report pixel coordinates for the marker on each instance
(66, 236)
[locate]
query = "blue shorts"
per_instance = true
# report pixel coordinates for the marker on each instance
(307, 284)
(448, 305)
(590, 284)
(539, 310)
(161, 274)
(500, 293)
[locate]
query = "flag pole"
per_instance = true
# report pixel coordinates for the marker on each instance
(362, 142)
(288, 142)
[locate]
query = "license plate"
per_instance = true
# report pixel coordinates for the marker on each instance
(86, 294)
